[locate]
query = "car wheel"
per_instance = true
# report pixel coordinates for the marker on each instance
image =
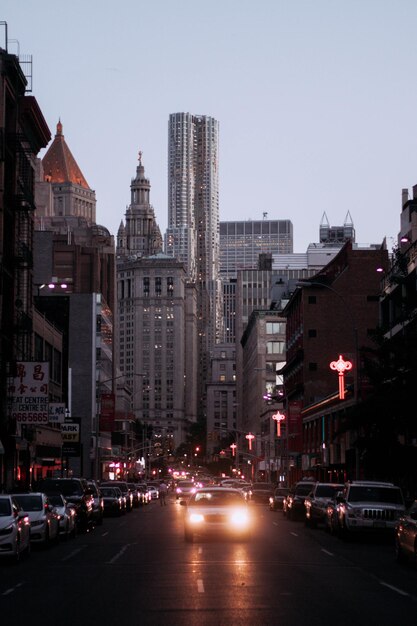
(46, 543)
(16, 556)
(100, 520)
(344, 533)
(188, 535)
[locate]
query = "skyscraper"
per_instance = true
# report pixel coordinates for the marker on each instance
(192, 235)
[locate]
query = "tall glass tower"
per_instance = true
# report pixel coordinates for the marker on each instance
(193, 234)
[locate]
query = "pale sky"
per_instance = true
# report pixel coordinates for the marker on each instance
(316, 100)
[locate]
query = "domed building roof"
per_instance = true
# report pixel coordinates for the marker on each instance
(59, 165)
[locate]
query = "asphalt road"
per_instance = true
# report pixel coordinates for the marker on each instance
(137, 570)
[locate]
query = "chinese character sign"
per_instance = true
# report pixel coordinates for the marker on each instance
(28, 393)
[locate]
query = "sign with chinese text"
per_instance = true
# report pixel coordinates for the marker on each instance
(57, 412)
(28, 393)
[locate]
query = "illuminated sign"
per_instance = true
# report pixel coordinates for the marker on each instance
(341, 366)
(250, 438)
(278, 417)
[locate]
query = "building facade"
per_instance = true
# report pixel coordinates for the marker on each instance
(192, 235)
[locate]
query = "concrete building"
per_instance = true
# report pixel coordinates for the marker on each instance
(24, 133)
(157, 324)
(242, 242)
(221, 399)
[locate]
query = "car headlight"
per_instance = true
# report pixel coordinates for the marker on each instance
(239, 519)
(196, 518)
(6, 531)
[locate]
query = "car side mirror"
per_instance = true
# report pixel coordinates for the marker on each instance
(183, 502)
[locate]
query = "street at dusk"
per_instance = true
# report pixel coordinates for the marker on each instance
(138, 570)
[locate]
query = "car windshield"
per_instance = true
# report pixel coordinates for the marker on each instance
(108, 491)
(303, 490)
(216, 498)
(281, 491)
(262, 486)
(327, 491)
(66, 487)
(30, 503)
(186, 484)
(56, 499)
(5, 508)
(375, 494)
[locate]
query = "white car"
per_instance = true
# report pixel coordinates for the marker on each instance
(185, 488)
(67, 515)
(44, 523)
(216, 510)
(154, 492)
(14, 528)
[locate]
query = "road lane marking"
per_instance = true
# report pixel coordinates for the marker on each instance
(327, 552)
(200, 586)
(73, 553)
(275, 523)
(200, 550)
(294, 534)
(400, 591)
(11, 590)
(118, 555)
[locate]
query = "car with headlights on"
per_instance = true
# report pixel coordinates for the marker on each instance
(369, 507)
(14, 528)
(293, 505)
(317, 500)
(276, 501)
(113, 500)
(219, 511)
(185, 488)
(98, 504)
(77, 493)
(67, 515)
(406, 536)
(261, 492)
(44, 522)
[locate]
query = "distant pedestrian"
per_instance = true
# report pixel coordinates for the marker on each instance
(163, 489)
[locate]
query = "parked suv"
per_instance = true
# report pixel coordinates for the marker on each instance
(317, 501)
(77, 493)
(369, 506)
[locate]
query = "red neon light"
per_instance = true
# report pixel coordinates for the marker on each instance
(250, 437)
(278, 417)
(341, 366)
(233, 446)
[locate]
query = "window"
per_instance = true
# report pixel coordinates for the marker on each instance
(312, 300)
(273, 328)
(312, 367)
(312, 332)
(275, 347)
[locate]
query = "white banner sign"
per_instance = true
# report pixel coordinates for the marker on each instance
(28, 393)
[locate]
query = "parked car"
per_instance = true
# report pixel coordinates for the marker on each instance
(276, 501)
(77, 493)
(316, 502)
(144, 494)
(123, 486)
(153, 492)
(330, 520)
(293, 505)
(44, 522)
(406, 536)
(369, 506)
(261, 492)
(98, 503)
(67, 515)
(216, 510)
(135, 493)
(14, 528)
(113, 500)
